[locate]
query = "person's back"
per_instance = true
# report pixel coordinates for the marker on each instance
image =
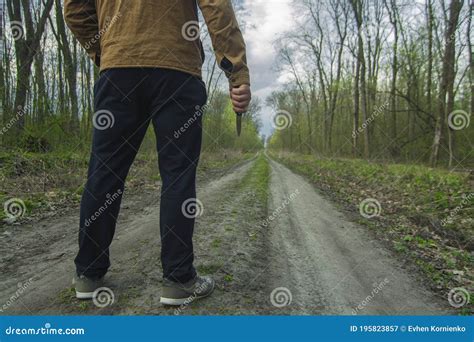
(150, 57)
(152, 33)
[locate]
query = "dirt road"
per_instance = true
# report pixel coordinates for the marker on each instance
(332, 266)
(290, 252)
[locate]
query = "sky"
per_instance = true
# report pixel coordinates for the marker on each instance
(264, 22)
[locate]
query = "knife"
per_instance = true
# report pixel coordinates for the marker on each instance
(238, 123)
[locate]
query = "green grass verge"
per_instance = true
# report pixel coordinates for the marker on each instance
(49, 181)
(259, 178)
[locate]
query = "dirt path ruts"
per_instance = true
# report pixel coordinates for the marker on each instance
(307, 249)
(44, 252)
(333, 266)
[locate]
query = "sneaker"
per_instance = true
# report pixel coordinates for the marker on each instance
(85, 287)
(178, 294)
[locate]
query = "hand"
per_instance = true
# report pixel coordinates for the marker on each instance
(241, 97)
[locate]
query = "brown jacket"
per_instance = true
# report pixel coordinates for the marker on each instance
(158, 33)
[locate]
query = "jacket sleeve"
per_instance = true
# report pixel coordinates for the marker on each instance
(227, 40)
(81, 18)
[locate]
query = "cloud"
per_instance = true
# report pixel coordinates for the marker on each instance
(265, 21)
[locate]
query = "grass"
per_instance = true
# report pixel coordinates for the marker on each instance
(233, 237)
(216, 243)
(228, 278)
(208, 269)
(258, 178)
(42, 182)
(421, 193)
(426, 214)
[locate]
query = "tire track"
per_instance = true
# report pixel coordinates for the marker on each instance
(333, 266)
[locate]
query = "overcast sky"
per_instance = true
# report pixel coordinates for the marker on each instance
(265, 21)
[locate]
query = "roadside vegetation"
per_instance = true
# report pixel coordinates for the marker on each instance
(48, 182)
(425, 215)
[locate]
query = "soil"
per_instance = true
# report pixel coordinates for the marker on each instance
(296, 254)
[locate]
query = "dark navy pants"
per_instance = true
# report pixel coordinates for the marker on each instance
(126, 100)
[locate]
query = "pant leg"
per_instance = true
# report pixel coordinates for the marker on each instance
(119, 127)
(177, 124)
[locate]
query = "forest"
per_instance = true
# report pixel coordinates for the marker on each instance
(388, 80)
(354, 169)
(47, 87)
(382, 80)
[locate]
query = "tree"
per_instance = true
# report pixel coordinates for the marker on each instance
(446, 90)
(360, 86)
(27, 45)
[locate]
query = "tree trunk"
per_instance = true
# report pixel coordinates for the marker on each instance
(446, 91)
(70, 66)
(26, 47)
(392, 10)
(361, 74)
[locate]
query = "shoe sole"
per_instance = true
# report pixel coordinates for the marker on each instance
(84, 295)
(182, 301)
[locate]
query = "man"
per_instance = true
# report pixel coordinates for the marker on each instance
(150, 58)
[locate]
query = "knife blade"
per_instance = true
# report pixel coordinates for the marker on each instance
(238, 123)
